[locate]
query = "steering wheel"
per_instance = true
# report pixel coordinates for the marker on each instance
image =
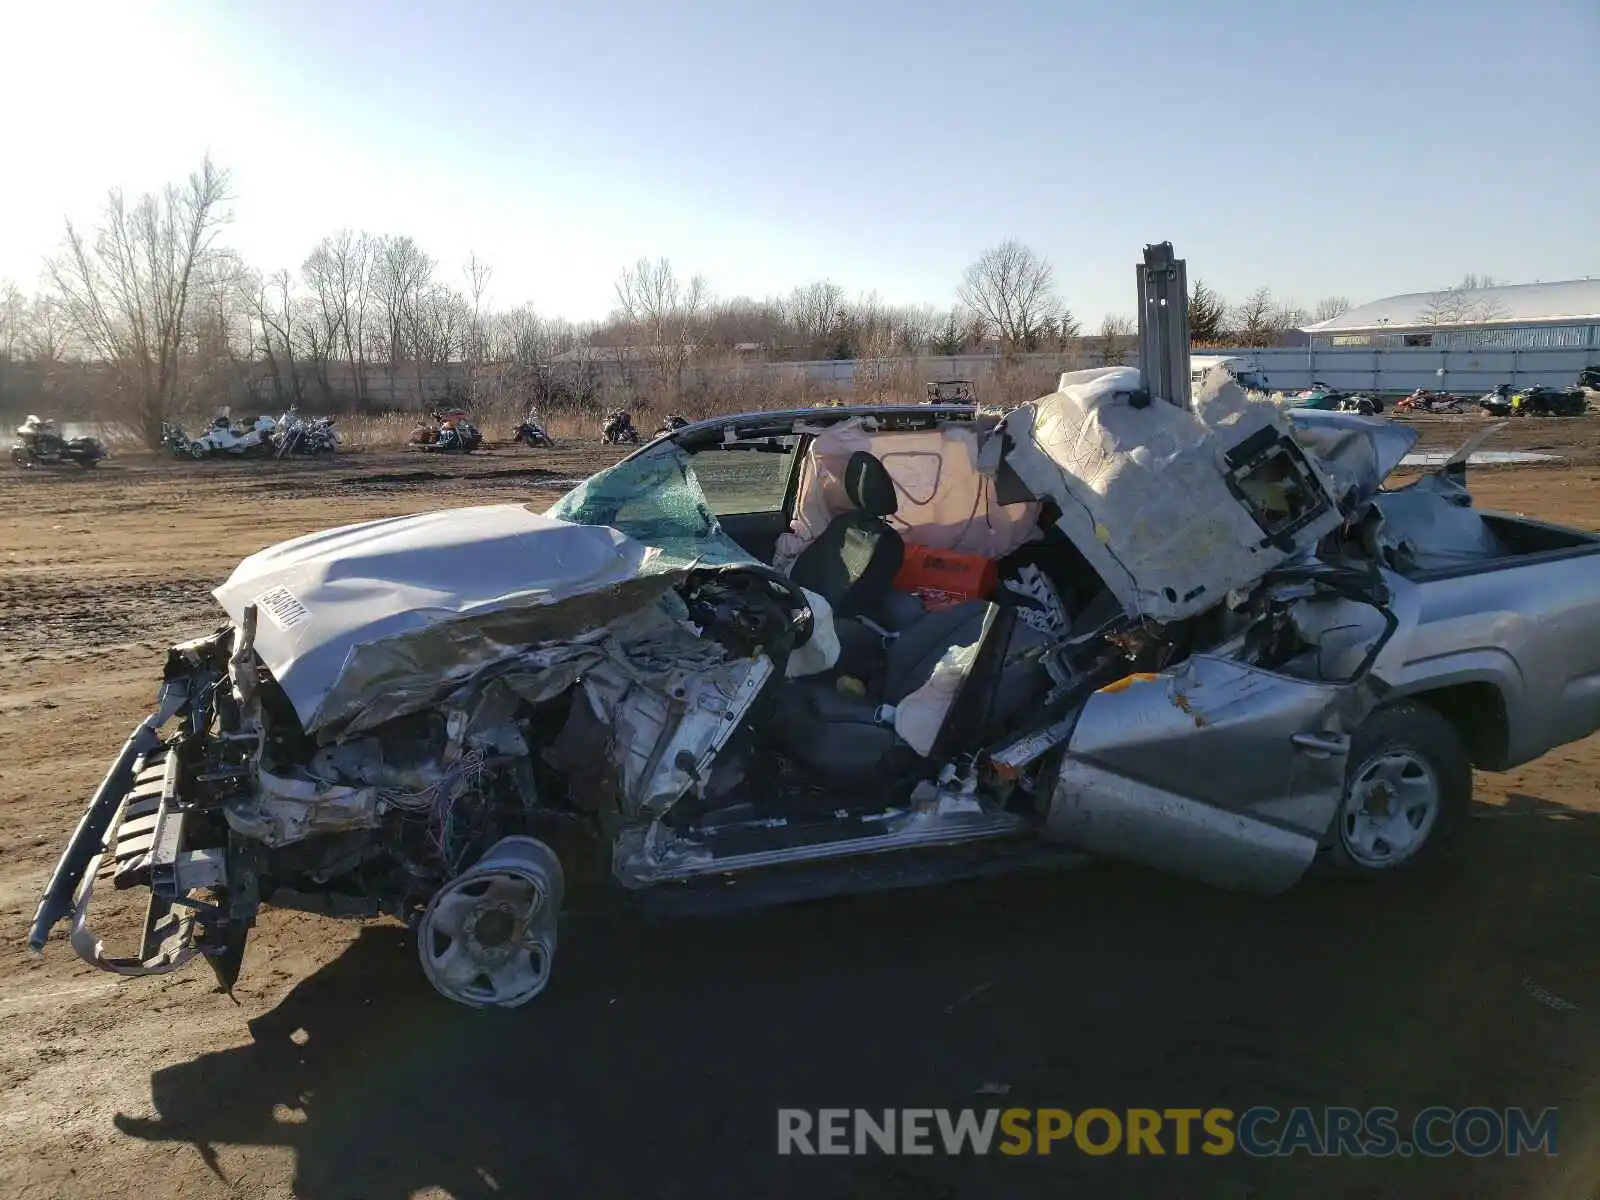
(777, 584)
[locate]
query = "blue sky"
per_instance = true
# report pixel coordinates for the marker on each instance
(1358, 149)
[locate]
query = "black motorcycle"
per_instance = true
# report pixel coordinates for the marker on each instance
(1541, 401)
(41, 449)
(1498, 402)
(672, 423)
(531, 433)
(619, 430)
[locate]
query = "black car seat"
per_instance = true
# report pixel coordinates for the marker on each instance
(853, 562)
(836, 735)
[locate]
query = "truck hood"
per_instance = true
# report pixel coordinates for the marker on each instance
(382, 612)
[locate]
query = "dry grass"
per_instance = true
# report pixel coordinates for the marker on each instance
(709, 389)
(729, 388)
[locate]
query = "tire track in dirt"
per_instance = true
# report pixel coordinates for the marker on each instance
(46, 618)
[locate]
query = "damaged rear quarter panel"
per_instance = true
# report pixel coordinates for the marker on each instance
(1216, 769)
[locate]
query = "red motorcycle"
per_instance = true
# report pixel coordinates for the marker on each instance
(1424, 401)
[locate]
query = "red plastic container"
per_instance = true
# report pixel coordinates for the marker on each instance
(941, 578)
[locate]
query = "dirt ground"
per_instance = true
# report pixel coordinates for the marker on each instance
(656, 1062)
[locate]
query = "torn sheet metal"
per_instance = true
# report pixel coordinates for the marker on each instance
(1121, 818)
(1172, 508)
(1221, 733)
(282, 809)
(1357, 452)
(387, 613)
(672, 701)
(1428, 526)
(1431, 525)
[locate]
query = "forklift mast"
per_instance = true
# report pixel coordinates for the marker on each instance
(1164, 325)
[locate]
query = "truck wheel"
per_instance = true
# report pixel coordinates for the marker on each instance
(1407, 789)
(488, 937)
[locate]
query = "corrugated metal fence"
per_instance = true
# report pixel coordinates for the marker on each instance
(1398, 371)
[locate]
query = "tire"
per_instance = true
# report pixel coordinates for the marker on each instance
(1413, 744)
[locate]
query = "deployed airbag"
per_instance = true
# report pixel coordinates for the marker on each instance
(1172, 508)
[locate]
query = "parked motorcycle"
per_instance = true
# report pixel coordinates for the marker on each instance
(618, 429)
(1589, 377)
(179, 443)
(39, 445)
(238, 441)
(531, 433)
(222, 437)
(1318, 395)
(1424, 401)
(450, 432)
(672, 423)
(1541, 401)
(1366, 405)
(297, 435)
(1498, 402)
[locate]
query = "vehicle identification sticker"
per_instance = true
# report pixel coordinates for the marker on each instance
(282, 607)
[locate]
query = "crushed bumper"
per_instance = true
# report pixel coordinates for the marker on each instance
(132, 832)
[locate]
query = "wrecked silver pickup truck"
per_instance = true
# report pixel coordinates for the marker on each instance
(1205, 640)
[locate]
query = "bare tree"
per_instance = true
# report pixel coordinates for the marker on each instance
(913, 329)
(339, 273)
(478, 273)
(278, 315)
(1331, 307)
(438, 326)
(1013, 290)
(45, 334)
(13, 321)
(1207, 313)
(400, 276)
(1286, 316)
(1063, 330)
(126, 293)
(814, 311)
(955, 332)
(1115, 341)
(1254, 321)
(1464, 304)
(741, 321)
(221, 337)
(667, 312)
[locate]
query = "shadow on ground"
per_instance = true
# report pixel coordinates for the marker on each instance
(655, 1064)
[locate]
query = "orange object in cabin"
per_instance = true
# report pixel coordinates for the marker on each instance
(942, 578)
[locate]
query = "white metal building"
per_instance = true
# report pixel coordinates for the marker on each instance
(1524, 316)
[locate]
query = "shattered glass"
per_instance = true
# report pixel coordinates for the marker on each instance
(657, 500)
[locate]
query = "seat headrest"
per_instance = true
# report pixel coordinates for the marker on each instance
(867, 483)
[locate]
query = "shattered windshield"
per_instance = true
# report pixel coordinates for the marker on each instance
(654, 499)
